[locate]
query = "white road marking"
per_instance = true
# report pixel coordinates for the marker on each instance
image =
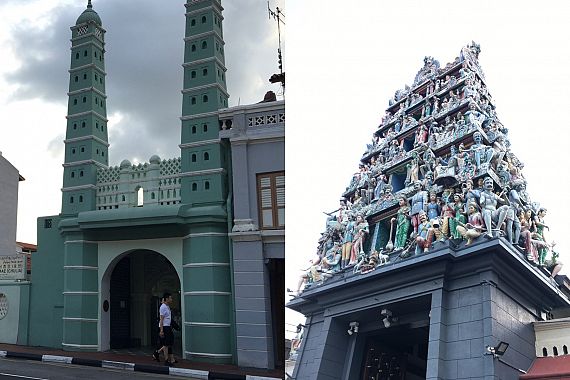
(22, 377)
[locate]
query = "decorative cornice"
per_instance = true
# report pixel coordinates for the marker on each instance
(217, 5)
(88, 137)
(204, 87)
(85, 113)
(76, 188)
(73, 319)
(84, 162)
(102, 94)
(218, 9)
(205, 34)
(205, 60)
(88, 66)
(203, 172)
(199, 115)
(80, 267)
(206, 293)
(199, 143)
(205, 265)
(204, 234)
(87, 43)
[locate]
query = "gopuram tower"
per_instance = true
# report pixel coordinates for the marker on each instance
(437, 254)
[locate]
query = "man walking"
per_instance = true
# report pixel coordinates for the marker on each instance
(166, 336)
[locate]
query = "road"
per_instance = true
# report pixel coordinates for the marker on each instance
(18, 369)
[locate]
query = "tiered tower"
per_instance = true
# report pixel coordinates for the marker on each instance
(86, 146)
(434, 239)
(205, 187)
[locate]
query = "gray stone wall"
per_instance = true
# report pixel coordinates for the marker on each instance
(9, 179)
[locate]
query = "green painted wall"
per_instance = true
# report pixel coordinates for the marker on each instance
(46, 296)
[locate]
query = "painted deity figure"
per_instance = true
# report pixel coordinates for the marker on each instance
(474, 117)
(347, 241)
(423, 241)
(332, 259)
(459, 217)
(413, 167)
(419, 203)
(516, 204)
(362, 231)
(539, 234)
(402, 220)
(433, 206)
(489, 201)
(482, 154)
(474, 227)
(381, 183)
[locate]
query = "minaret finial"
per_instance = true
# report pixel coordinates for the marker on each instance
(89, 4)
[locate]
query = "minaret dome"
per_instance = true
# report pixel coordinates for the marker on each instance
(89, 15)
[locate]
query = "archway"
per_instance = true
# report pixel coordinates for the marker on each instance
(131, 289)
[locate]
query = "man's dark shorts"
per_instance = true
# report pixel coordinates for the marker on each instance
(168, 338)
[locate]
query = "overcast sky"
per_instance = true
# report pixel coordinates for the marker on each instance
(144, 56)
(346, 59)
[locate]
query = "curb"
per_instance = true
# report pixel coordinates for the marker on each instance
(149, 368)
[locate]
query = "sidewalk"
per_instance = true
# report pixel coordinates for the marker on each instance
(185, 368)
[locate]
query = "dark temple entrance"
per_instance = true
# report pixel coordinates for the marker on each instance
(396, 353)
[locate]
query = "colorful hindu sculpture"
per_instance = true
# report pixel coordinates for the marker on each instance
(439, 167)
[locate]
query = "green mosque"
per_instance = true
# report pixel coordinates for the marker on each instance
(207, 226)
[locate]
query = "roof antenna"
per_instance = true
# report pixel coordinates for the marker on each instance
(278, 16)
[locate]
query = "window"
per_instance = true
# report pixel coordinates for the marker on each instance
(81, 173)
(205, 98)
(77, 55)
(70, 199)
(47, 223)
(194, 186)
(193, 47)
(204, 72)
(74, 125)
(206, 156)
(271, 200)
(193, 100)
(74, 102)
(140, 197)
(84, 76)
(203, 19)
(193, 157)
(207, 185)
(72, 174)
(84, 99)
(85, 53)
(193, 129)
(204, 44)
(76, 78)
(205, 127)
(193, 74)
(82, 149)
(193, 22)
(82, 124)
(80, 198)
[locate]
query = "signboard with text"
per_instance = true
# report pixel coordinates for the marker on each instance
(13, 267)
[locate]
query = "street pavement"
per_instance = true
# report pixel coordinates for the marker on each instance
(17, 369)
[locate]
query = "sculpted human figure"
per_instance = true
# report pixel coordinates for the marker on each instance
(402, 223)
(469, 194)
(347, 241)
(381, 183)
(474, 227)
(428, 159)
(419, 203)
(482, 154)
(516, 204)
(474, 117)
(489, 201)
(413, 167)
(421, 135)
(361, 230)
(459, 217)
(539, 234)
(422, 239)
(433, 207)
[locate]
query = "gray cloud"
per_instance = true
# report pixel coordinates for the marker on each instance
(144, 44)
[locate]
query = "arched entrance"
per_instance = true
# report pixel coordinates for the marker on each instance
(131, 290)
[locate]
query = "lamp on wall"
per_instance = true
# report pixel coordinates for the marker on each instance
(387, 318)
(352, 328)
(498, 350)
